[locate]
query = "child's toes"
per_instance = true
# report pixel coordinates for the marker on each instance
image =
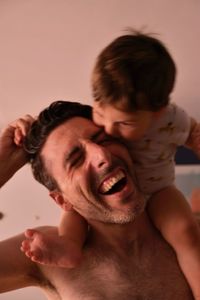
(37, 257)
(29, 253)
(29, 233)
(25, 246)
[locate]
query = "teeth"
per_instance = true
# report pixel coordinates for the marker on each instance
(108, 184)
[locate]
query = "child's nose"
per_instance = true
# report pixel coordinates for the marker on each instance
(111, 130)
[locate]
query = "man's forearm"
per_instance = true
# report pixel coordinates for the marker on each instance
(8, 169)
(5, 173)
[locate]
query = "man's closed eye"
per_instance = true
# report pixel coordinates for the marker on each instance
(77, 159)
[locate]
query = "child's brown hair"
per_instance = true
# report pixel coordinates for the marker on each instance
(135, 71)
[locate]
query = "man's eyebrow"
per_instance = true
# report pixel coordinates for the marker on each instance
(69, 155)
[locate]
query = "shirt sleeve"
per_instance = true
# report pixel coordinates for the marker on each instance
(181, 124)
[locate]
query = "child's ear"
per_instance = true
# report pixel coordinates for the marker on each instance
(60, 200)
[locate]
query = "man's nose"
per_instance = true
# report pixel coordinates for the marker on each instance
(98, 156)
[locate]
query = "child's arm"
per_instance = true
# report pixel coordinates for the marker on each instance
(193, 140)
(12, 155)
(172, 215)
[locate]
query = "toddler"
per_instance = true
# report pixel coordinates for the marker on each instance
(132, 81)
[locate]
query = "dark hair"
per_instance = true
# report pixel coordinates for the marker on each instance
(137, 69)
(51, 117)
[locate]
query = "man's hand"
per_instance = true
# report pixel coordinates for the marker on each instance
(12, 155)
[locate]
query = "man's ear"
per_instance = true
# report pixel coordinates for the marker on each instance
(60, 200)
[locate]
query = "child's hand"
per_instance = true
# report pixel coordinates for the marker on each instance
(11, 137)
(22, 126)
(12, 155)
(195, 139)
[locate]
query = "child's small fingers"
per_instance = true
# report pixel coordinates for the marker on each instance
(18, 137)
(23, 123)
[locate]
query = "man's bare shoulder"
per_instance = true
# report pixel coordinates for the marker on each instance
(17, 271)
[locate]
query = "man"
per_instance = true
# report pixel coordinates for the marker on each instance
(124, 257)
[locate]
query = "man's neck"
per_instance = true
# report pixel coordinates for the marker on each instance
(121, 234)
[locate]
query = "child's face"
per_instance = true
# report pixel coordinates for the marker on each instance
(129, 126)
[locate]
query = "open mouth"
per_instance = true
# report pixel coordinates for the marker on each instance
(113, 184)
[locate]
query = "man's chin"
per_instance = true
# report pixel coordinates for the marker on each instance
(121, 220)
(119, 214)
(124, 217)
(130, 213)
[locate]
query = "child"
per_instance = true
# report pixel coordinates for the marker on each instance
(132, 80)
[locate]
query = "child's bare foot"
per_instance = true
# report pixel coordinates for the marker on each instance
(50, 249)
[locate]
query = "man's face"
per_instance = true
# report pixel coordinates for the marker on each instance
(94, 172)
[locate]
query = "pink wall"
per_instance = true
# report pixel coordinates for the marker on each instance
(47, 52)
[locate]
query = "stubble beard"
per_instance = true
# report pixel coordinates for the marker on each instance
(116, 216)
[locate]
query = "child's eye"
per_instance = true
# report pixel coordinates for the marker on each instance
(131, 124)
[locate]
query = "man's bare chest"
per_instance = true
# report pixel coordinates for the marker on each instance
(154, 275)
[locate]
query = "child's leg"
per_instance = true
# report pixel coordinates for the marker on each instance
(195, 201)
(62, 248)
(73, 227)
(172, 215)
